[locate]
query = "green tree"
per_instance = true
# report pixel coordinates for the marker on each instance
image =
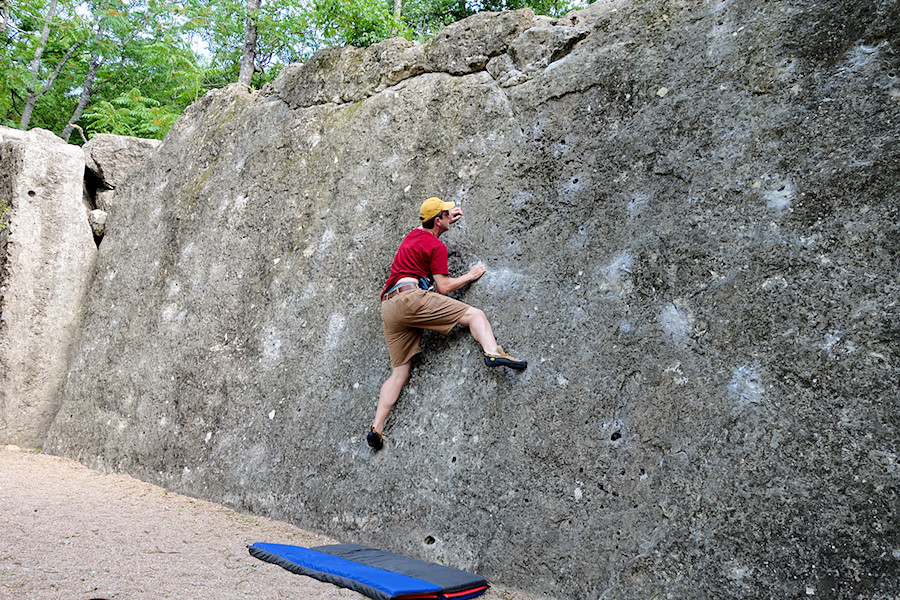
(59, 55)
(251, 30)
(42, 39)
(282, 36)
(427, 17)
(354, 22)
(40, 78)
(147, 70)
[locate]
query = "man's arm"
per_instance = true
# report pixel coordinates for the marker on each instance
(446, 284)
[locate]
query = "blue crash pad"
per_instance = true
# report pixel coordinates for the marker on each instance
(375, 573)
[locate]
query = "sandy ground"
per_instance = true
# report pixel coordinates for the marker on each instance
(67, 532)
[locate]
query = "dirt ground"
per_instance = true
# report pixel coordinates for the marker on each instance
(67, 532)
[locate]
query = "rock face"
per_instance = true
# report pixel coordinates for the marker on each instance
(688, 212)
(112, 157)
(46, 255)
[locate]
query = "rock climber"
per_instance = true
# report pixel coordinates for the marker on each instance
(408, 307)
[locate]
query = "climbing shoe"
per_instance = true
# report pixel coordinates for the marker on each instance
(374, 439)
(503, 359)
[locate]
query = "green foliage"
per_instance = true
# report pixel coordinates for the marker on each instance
(137, 45)
(283, 36)
(8, 117)
(553, 8)
(22, 38)
(354, 22)
(132, 114)
(427, 17)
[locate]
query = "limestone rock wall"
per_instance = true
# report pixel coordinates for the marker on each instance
(688, 212)
(110, 159)
(46, 256)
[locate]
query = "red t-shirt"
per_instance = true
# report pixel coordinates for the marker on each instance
(420, 255)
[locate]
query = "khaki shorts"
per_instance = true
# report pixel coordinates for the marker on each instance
(405, 316)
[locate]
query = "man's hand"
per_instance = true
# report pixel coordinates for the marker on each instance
(455, 214)
(445, 284)
(476, 272)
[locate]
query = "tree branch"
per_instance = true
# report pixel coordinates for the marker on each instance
(249, 55)
(45, 35)
(31, 99)
(87, 91)
(60, 66)
(80, 130)
(6, 23)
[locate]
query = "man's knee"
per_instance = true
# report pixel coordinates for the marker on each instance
(401, 373)
(472, 315)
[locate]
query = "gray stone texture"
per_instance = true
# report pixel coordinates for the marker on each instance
(688, 212)
(112, 157)
(97, 219)
(46, 256)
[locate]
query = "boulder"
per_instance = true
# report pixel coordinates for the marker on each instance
(688, 213)
(466, 46)
(113, 157)
(341, 75)
(46, 257)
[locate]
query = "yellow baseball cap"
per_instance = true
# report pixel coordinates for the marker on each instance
(433, 207)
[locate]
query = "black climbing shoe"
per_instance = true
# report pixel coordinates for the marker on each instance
(503, 359)
(374, 439)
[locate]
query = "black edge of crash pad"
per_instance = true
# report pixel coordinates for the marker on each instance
(448, 578)
(356, 586)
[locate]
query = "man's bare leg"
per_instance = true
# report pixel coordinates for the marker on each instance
(390, 391)
(480, 328)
